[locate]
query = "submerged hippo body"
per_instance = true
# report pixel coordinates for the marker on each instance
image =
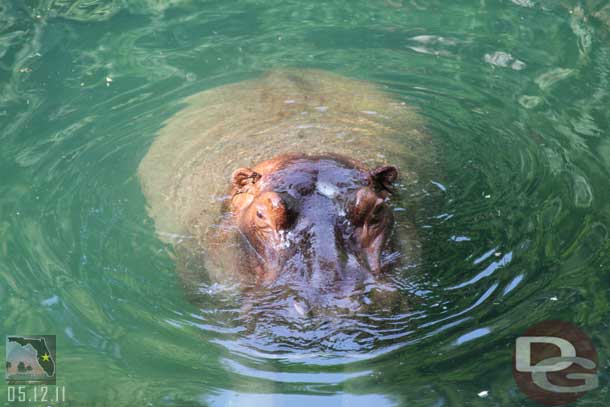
(287, 179)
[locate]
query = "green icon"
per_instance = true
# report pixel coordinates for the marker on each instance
(30, 359)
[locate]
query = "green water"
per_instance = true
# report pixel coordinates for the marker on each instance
(516, 94)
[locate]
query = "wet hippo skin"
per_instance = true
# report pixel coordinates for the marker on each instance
(287, 180)
(321, 216)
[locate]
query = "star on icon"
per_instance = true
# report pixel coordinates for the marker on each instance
(45, 357)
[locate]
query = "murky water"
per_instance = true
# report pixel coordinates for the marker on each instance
(514, 225)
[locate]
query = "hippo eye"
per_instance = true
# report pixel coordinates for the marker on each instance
(259, 215)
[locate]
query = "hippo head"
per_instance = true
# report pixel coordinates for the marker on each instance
(319, 219)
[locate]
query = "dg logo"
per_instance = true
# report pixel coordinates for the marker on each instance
(555, 363)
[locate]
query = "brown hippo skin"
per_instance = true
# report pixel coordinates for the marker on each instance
(286, 180)
(321, 216)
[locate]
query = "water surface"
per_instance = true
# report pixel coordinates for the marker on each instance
(514, 228)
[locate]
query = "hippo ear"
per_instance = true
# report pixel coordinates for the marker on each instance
(244, 176)
(383, 178)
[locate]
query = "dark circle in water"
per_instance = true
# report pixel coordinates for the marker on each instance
(559, 333)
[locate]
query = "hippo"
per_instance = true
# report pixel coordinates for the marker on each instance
(288, 180)
(324, 215)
